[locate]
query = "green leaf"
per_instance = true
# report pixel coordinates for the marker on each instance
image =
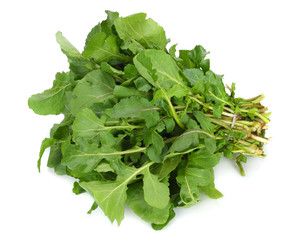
(203, 158)
(139, 33)
(96, 29)
(204, 122)
(51, 101)
(124, 92)
(105, 67)
(210, 190)
(197, 55)
(157, 66)
(161, 226)
(95, 87)
(185, 141)
(104, 167)
(111, 195)
(156, 193)
(108, 24)
(186, 62)
(47, 142)
(135, 200)
(103, 49)
(169, 123)
(77, 63)
(189, 180)
(77, 189)
(196, 79)
(154, 143)
(142, 84)
(81, 158)
(136, 107)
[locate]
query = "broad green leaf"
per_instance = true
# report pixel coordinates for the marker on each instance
(185, 141)
(111, 195)
(139, 33)
(77, 63)
(171, 216)
(159, 68)
(135, 200)
(87, 125)
(210, 190)
(136, 107)
(95, 87)
(203, 158)
(103, 49)
(51, 101)
(81, 158)
(156, 193)
(196, 78)
(190, 179)
(204, 122)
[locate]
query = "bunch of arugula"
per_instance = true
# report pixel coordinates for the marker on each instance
(141, 126)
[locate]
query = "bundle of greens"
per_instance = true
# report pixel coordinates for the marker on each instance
(142, 126)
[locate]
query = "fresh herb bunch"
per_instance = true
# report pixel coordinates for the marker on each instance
(143, 126)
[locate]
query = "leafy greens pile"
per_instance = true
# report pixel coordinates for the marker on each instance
(142, 126)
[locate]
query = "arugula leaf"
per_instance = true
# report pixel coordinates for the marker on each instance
(113, 193)
(158, 68)
(138, 33)
(189, 179)
(51, 101)
(77, 63)
(154, 143)
(156, 193)
(135, 200)
(95, 87)
(103, 49)
(136, 107)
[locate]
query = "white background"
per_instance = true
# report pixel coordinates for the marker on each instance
(253, 43)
